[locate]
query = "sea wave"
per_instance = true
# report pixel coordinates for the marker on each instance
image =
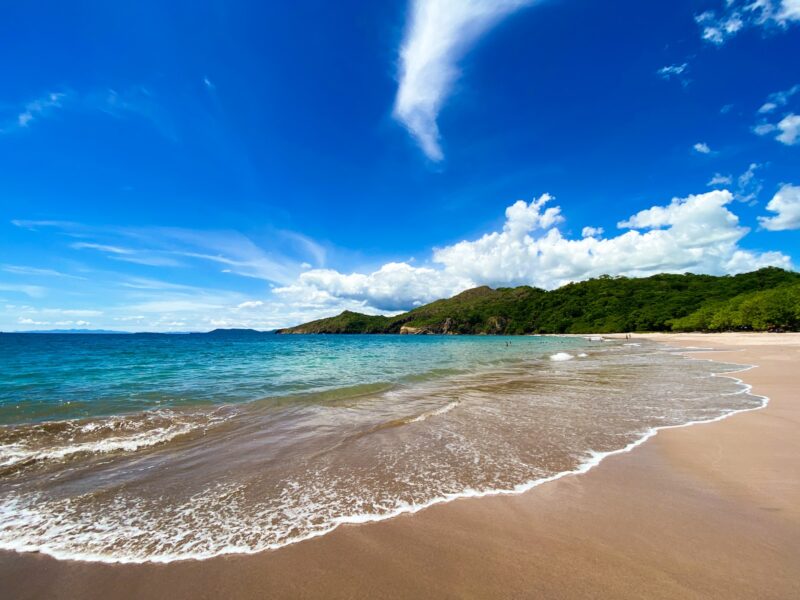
(24, 445)
(435, 412)
(223, 518)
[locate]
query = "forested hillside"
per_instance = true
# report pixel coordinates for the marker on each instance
(767, 299)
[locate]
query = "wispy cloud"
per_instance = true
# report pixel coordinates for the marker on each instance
(100, 247)
(133, 101)
(678, 72)
(719, 179)
(438, 34)
(129, 255)
(787, 128)
(280, 262)
(34, 291)
(748, 184)
(40, 107)
(778, 99)
(37, 272)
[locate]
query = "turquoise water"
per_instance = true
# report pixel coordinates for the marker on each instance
(52, 376)
(123, 448)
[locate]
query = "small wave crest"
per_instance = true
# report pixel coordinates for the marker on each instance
(561, 356)
(435, 412)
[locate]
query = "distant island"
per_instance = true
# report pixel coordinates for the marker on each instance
(764, 300)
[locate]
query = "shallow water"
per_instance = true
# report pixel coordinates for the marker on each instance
(179, 447)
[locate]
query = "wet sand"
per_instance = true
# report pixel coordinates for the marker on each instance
(708, 511)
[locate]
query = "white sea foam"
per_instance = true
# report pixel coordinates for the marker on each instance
(582, 355)
(123, 434)
(561, 356)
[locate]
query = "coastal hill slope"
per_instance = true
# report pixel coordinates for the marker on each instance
(767, 299)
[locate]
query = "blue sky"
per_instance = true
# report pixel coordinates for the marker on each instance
(175, 166)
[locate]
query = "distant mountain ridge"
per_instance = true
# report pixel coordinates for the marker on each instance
(215, 332)
(75, 331)
(767, 299)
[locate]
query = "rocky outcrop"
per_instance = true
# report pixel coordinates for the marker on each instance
(408, 330)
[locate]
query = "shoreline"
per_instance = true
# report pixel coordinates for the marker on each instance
(452, 521)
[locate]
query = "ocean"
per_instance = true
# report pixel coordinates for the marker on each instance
(135, 448)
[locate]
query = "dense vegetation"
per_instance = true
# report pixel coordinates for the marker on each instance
(768, 299)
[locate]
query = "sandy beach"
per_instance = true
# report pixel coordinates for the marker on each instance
(707, 511)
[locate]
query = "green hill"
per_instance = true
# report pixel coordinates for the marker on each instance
(767, 299)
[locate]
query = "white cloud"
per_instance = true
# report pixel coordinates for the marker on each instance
(701, 148)
(764, 128)
(250, 304)
(438, 34)
(748, 185)
(789, 128)
(592, 232)
(696, 234)
(786, 205)
(737, 15)
(779, 99)
(674, 72)
(719, 179)
(393, 287)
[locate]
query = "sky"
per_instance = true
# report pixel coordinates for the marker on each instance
(184, 166)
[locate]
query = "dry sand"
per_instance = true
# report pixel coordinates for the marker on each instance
(709, 511)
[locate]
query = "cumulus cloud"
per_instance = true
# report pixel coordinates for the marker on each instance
(393, 287)
(438, 34)
(695, 234)
(788, 129)
(786, 205)
(736, 15)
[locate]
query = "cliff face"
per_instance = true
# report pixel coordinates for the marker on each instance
(760, 300)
